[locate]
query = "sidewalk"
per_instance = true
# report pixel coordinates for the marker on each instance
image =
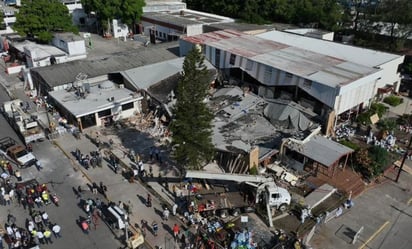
(119, 189)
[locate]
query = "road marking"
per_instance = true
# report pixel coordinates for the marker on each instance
(409, 202)
(374, 235)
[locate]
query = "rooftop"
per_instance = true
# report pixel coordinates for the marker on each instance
(68, 37)
(325, 69)
(39, 52)
(362, 56)
(96, 100)
(246, 27)
(321, 149)
(186, 17)
(145, 76)
(61, 74)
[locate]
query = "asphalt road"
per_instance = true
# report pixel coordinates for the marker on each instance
(61, 177)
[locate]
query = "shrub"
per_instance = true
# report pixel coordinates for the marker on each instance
(387, 124)
(371, 162)
(379, 109)
(350, 144)
(393, 100)
(253, 170)
(375, 108)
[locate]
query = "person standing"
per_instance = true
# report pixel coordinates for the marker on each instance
(56, 231)
(47, 236)
(174, 210)
(175, 231)
(45, 218)
(155, 228)
(10, 169)
(85, 226)
(38, 165)
(40, 236)
(166, 214)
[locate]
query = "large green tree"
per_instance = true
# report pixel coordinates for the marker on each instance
(132, 11)
(322, 13)
(191, 126)
(395, 18)
(40, 18)
(128, 11)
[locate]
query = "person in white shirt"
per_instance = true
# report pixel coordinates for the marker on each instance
(45, 218)
(40, 236)
(56, 230)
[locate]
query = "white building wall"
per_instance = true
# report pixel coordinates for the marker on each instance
(357, 92)
(196, 29)
(119, 29)
(157, 7)
(390, 74)
(77, 47)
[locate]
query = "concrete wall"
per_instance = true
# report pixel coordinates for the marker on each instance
(340, 98)
(194, 29)
(163, 7)
(390, 74)
(119, 29)
(122, 114)
(72, 47)
(357, 92)
(77, 47)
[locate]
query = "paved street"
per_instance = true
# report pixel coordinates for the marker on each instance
(384, 212)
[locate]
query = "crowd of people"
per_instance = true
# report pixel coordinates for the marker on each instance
(38, 230)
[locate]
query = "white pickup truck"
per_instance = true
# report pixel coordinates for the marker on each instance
(16, 152)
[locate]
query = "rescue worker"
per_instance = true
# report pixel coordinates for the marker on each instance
(46, 198)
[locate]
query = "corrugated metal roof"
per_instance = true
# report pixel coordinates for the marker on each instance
(363, 56)
(321, 149)
(61, 74)
(325, 69)
(148, 75)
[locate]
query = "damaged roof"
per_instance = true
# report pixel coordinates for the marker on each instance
(328, 70)
(239, 122)
(321, 149)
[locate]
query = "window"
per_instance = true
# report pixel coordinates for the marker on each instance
(307, 83)
(268, 74)
(128, 106)
(104, 113)
(217, 58)
(249, 65)
(232, 59)
(275, 196)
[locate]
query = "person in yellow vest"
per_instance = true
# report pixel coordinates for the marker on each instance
(45, 197)
(47, 235)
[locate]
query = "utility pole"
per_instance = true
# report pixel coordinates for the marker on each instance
(403, 159)
(126, 224)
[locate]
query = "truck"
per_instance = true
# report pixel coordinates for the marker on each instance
(262, 189)
(26, 125)
(17, 153)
